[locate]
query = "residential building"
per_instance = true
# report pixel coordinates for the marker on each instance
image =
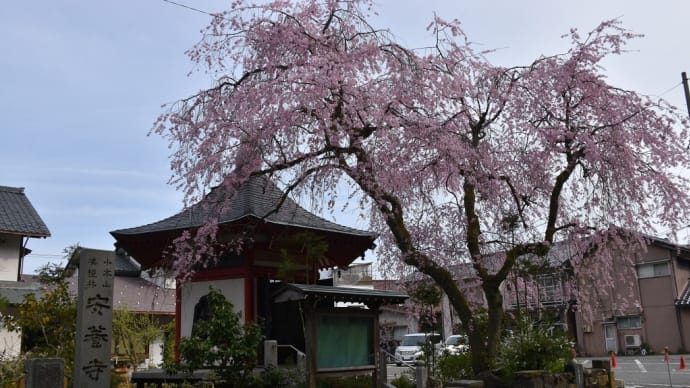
(395, 320)
(643, 306)
(19, 222)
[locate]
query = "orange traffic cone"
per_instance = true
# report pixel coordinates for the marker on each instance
(682, 363)
(613, 360)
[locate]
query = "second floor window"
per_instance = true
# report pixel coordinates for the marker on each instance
(653, 270)
(632, 322)
(550, 289)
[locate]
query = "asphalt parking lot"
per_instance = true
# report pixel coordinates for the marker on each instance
(635, 371)
(649, 371)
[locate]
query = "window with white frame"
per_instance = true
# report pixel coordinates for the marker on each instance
(631, 322)
(651, 270)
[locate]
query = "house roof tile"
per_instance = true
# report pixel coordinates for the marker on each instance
(124, 264)
(18, 216)
(14, 292)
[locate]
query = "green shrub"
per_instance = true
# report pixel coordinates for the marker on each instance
(118, 380)
(404, 381)
(278, 378)
(221, 342)
(451, 367)
(533, 346)
(11, 368)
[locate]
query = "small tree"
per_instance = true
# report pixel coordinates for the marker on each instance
(222, 343)
(169, 343)
(49, 323)
(427, 296)
(133, 333)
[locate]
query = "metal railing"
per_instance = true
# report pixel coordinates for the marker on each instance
(300, 357)
(392, 358)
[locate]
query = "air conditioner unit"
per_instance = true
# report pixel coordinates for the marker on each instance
(632, 340)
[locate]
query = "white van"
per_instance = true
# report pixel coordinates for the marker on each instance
(410, 349)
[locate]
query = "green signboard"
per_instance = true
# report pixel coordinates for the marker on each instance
(344, 340)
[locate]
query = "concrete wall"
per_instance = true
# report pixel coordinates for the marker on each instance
(593, 342)
(232, 289)
(662, 322)
(660, 319)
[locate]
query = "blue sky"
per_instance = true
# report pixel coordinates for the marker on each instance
(81, 83)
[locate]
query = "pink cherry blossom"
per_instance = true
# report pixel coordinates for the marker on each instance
(438, 147)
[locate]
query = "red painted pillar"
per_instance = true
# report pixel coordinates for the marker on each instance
(248, 297)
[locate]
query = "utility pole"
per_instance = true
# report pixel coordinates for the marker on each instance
(684, 76)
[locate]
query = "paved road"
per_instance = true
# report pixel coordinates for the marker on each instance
(650, 371)
(635, 371)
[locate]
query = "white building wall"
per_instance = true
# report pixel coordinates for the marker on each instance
(155, 359)
(232, 289)
(10, 343)
(10, 247)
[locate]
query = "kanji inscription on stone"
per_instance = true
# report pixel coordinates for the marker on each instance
(94, 319)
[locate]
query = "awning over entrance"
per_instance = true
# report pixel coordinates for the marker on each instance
(296, 292)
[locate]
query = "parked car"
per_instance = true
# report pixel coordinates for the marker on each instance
(455, 344)
(411, 348)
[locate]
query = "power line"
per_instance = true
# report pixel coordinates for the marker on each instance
(188, 7)
(670, 89)
(46, 255)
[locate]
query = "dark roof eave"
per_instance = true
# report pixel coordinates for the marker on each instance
(682, 249)
(22, 233)
(293, 292)
(143, 229)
